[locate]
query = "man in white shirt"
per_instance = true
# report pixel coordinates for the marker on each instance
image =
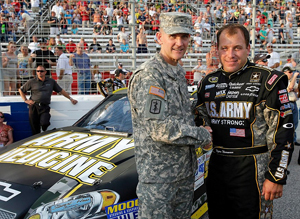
(270, 34)
(35, 6)
(27, 20)
(199, 71)
(63, 71)
(123, 35)
(206, 29)
(198, 43)
(274, 60)
(34, 45)
(57, 9)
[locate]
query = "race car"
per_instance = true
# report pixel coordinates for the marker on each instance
(83, 171)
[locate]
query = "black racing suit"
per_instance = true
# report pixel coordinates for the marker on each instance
(108, 86)
(252, 123)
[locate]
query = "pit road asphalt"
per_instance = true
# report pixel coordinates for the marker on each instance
(288, 205)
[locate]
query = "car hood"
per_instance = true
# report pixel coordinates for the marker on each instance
(77, 157)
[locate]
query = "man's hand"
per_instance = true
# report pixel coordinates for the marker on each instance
(208, 128)
(73, 101)
(72, 56)
(60, 77)
(272, 190)
(29, 102)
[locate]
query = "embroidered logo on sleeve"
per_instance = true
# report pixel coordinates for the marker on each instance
(272, 79)
(157, 91)
(155, 106)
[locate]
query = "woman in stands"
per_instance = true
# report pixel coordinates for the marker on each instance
(76, 17)
(6, 135)
(74, 29)
(10, 71)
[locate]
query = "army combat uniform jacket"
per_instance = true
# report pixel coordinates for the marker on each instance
(165, 134)
(252, 123)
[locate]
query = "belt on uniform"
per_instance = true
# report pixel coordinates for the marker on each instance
(41, 104)
(240, 151)
(67, 74)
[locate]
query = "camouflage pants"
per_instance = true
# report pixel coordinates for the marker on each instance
(166, 201)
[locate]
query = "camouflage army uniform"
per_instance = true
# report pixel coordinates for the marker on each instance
(252, 123)
(165, 137)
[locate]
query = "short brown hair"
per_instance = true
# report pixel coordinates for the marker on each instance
(231, 29)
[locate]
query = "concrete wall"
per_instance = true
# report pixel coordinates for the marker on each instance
(63, 112)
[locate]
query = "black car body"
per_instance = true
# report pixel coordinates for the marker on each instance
(83, 171)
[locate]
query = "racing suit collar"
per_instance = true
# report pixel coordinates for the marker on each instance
(238, 72)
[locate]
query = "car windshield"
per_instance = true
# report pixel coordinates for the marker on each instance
(113, 114)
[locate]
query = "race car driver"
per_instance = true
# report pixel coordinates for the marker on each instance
(108, 86)
(248, 109)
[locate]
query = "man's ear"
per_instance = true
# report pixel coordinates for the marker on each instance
(159, 36)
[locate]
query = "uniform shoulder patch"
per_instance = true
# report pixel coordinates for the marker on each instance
(272, 79)
(157, 91)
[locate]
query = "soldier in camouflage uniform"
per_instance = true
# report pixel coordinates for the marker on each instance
(248, 109)
(165, 134)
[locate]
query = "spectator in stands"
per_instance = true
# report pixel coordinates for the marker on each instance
(289, 33)
(105, 17)
(263, 35)
(85, 17)
(110, 47)
(197, 43)
(281, 15)
(124, 47)
(97, 29)
(4, 29)
(120, 21)
(57, 9)
(6, 132)
(76, 17)
(61, 44)
(288, 63)
(63, 25)
(206, 29)
(95, 47)
(141, 41)
(54, 22)
(83, 64)
(96, 78)
(52, 44)
(298, 21)
(274, 60)
(43, 57)
(68, 17)
(58, 38)
(212, 59)
(10, 71)
(296, 59)
(114, 22)
(270, 34)
(261, 59)
(106, 29)
(123, 35)
(281, 37)
(96, 17)
(27, 20)
(24, 67)
(63, 70)
(74, 29)
(71, 46)
(141, 19)
(35, 6)
(34, 45)
(85, 45)
(289, 18)
(200, 69)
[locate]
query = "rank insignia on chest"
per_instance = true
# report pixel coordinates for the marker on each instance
(255, 77)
